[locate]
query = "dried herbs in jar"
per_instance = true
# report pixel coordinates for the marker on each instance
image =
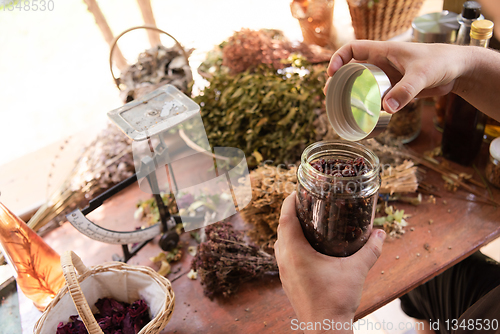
(406, 124)
(337, 188)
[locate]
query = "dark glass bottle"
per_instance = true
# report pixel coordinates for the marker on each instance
(463, 131)
(464, 125)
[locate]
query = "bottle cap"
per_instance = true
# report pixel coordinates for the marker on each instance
(354, 101)
(471, 10)
(482, 29)
(495, 148)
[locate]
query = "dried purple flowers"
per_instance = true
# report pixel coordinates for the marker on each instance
(114, 317)
(225, 260)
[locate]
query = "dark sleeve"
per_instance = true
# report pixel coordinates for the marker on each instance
(485, 310)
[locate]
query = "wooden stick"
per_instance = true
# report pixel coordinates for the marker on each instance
(442, 172)
(149, 19)
(447, 169)
(93, 7)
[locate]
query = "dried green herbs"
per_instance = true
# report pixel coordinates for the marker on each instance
(394, 223)
(267, 114)
(147, 210)
(225, 260)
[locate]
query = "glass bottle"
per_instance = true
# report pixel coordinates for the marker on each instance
(480, 36)
(405, 125)
(464, 124)
(36, 265)
(336, 212)
(471, 11)
(492, 170)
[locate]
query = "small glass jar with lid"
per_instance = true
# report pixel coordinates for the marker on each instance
(336, 203)
(493, 165)
(405, 125)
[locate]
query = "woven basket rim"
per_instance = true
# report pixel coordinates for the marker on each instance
(156, 324)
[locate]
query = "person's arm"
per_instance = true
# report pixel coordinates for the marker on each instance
(422, 70)
(323, 290)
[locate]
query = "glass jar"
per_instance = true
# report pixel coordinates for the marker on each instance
(316, 21)
(336, 213)
(492, 170)
(406, 123)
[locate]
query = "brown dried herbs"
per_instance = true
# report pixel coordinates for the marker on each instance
(270, 186)
(225, 260)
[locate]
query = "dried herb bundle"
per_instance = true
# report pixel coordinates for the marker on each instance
(399, 179)
(225, 260)
(266, 114)
(247, 49)
(105, 162)
(270, 186)
(155, 67)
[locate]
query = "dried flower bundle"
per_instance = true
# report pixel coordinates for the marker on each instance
(270, 186)
(245, 50)
(105, 162)
(225, 260)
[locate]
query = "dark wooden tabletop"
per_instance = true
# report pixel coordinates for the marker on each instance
(460, 227)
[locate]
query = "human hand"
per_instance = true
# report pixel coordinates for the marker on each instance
(319, 286)
(414, 69)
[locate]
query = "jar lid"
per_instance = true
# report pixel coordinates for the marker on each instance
(481, 29)
(495, 148)
(439, 27)
(354, 101)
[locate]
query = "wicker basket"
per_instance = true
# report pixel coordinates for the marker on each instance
(113, 279)
(383, 19)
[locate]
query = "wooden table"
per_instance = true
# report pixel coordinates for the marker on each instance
(459, 228)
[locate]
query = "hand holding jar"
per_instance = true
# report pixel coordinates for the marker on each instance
(320, 286)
